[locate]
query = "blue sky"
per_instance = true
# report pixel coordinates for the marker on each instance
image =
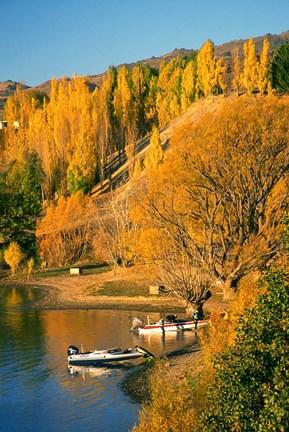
(45, 38)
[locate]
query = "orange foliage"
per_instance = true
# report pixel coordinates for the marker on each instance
(220, 194)
(65, 233)
(170, 408)
(250, 66)
(13, 256)
(222, 330)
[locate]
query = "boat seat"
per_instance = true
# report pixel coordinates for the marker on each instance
(114, 350)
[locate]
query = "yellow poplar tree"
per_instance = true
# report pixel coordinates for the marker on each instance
(58, 121)
(168, 102)
(82, 160)
(139, 89)
(18, 112)
(39, 137)
(155, 154)
(237, 76)
(250, 66)
(137, 168)
(162, 110)
(188, 85)
(220, 72)
(263, 68)
(150, 102)
(123, 107)
(206, 69)
(102, 112)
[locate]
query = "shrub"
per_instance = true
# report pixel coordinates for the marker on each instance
(30, 266)
(13, 256)
(170, 408)
(250, 390)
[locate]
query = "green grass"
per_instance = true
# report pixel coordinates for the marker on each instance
(56, 272)
(124, 288)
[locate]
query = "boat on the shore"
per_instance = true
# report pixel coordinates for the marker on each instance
(171, 324)
(107, 356)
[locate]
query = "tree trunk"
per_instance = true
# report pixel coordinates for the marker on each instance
(229, 292)
(191, 308)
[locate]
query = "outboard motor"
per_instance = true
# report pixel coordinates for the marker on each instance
(171, 318)
(72, 350)
(146, 353)
(136, 323)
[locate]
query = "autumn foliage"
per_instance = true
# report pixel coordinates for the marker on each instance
(13, 256)
(209, 210)
(170, 408)
(66, 232)
(75, 132)
(221, 192)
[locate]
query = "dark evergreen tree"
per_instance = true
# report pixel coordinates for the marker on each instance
(23, 201)
(280, 69)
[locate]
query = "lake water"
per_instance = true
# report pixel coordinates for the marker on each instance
(37, 390)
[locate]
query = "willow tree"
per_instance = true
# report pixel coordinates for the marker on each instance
(115, 238)
(159, 241)
(223, 189)
(237, 191)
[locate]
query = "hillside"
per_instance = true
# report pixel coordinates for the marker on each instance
(117, 174)
(8, 87)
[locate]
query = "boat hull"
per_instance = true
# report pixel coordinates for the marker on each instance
(99, 359)
(110, 356)
(170, 327)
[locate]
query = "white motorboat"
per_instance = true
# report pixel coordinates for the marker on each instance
(100, 357)
(161, 327)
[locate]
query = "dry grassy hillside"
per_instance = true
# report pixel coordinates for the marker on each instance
(118, 174)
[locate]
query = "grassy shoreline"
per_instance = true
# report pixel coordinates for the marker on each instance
(96, 288)
(100, 287)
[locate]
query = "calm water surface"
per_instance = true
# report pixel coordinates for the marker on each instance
(37, 390)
